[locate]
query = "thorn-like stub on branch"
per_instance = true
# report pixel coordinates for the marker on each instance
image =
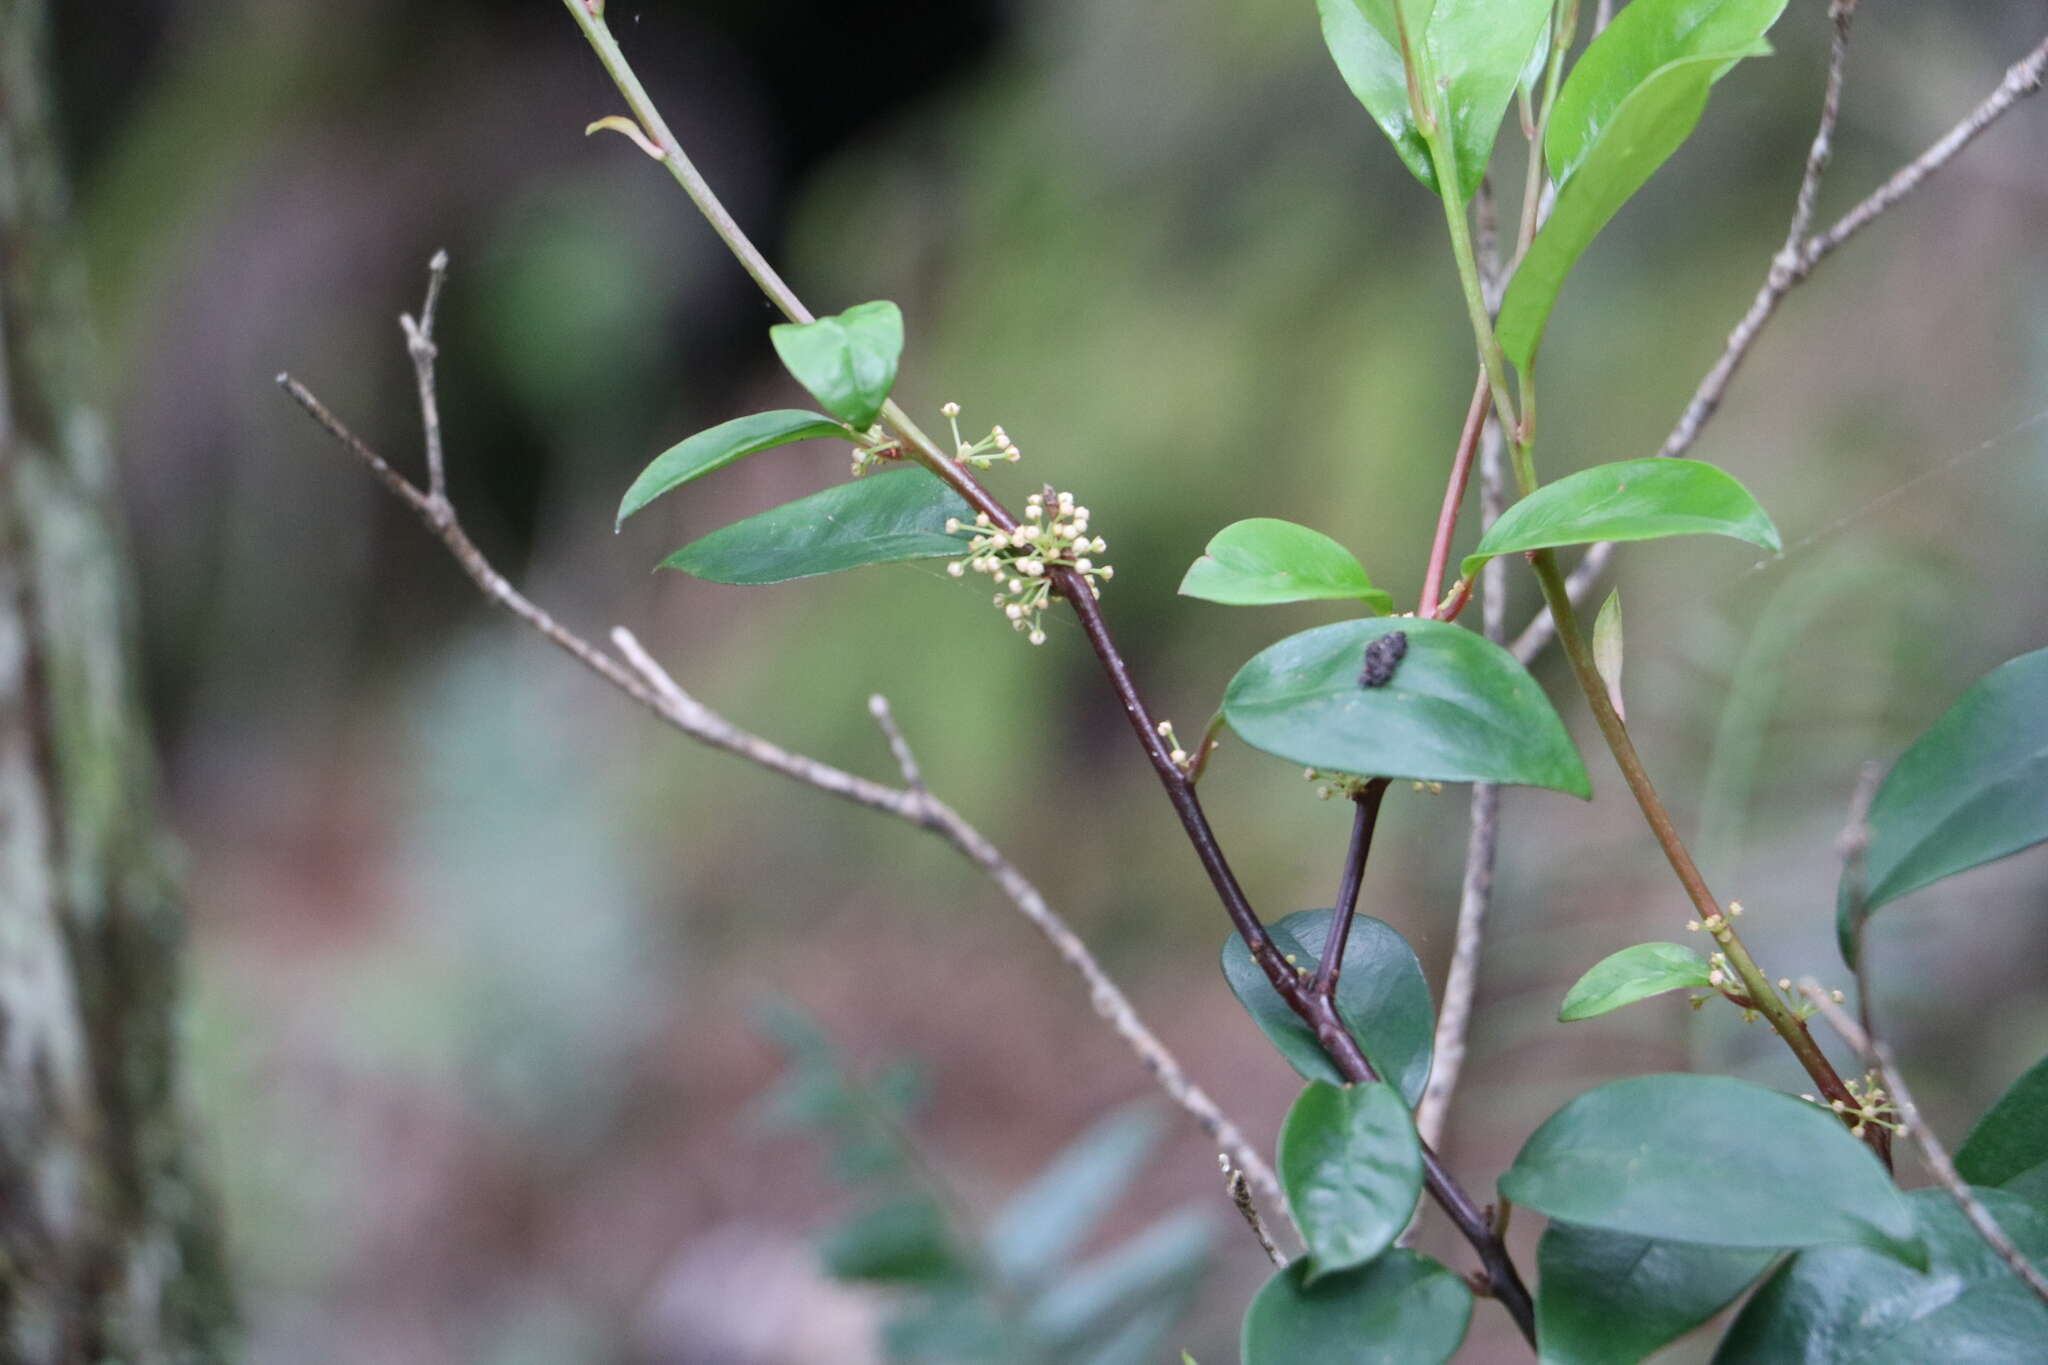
(617, 123)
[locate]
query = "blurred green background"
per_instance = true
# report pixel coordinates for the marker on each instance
(477, 941)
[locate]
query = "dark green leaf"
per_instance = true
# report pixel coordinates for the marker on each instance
(1041, 1225)
(1351, 1165)
(1972, 789)
(904, 1241)
(1643, 499)
(881, 519)
(1095, 1298)
(1647, 127)
(1402, 1309)
(1848, 1306)
(720, 446)
(1381, 995)
(1609, 1298)
(2009, 1145)
(848, 362)
(1645, 36)
(1709, 1159)
(1473, 52)
(1458, 709)
(1265, 560)
(1633, 974)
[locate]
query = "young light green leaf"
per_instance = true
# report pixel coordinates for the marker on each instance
(1609, 1298)
(1473, 52)
(1972, 789)
(720, 446)
(848, 362)
(1710, 1159)
(1351, 1165)
(1647, 127)
(1402, 1309)
(1043, 1223)
(1843, 1305)
(1633, 974)
(882, 519)
(1607, 650)
(1645, 499)
(1382, 997)
(1265, 560)
(2009, 1146)
(1645, 36)
(1457, 708)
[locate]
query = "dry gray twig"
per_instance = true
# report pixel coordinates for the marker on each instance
(1248, 1209)
(1879, 1058)
(647, 683)
(1797, 260)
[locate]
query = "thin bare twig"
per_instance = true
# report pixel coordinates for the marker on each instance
(647, 683)
(1475, 893)
(1878, 1058)
(1248, 1209)
(2023, 78)
(419, 343)
(1365, 818)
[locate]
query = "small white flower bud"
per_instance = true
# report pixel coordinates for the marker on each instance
(1164, 727)
(1013, 611)
(951, 410)
(1016, 585)
(1106, 571)
(956, 568)
(1037, 637)
(1031, 567)
(1084, 565)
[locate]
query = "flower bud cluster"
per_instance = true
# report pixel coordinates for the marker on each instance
(996, 446)
(1335, 784)
(1054, 536)
(1868, 1103)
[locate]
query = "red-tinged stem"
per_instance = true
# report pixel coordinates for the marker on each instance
(1454, 498)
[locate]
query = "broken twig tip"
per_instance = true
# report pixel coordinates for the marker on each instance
(618, 123)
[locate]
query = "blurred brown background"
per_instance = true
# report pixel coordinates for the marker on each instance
(477, 942)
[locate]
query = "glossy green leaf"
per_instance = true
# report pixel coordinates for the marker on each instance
(1043, 1223)
(1645, 499)
(1381, 994)
(720, 446)
(848, 362)
(1630, 975)
(904, 1241)
(1094, 1298)
(881, 519)
(2009, 1146)
(1644, 36)
(1709, 1159)
(1351, 1166)
(1474, 51)
(1647, 127)
(1265, 560)
(1972, 789)
(1610, 1298)
(1458, 709)
(1849, 1306)
(1402, 1309)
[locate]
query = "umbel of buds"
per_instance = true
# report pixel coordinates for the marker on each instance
(1054, 536)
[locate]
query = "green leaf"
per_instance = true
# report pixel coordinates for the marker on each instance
(1265, 560)
(1647, 127)
(1645, 36)
(1630, 975)
(1473, 51)
(1709, 1159)
(1041, 1225)
(1848, 1306)
(1351, 1165)
(2009, 1146)
(1402, 1309)
(720, 446)
(1607, 649)
(1972, 789)
(1163, 1260)
(1381, 995)
(904, 1241)
(1644, 499)
(848, 362)
(1458, 709)
(881, 519)
(1609, 1298)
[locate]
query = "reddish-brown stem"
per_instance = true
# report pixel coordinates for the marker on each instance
(1365, 818)
(1454, 498)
